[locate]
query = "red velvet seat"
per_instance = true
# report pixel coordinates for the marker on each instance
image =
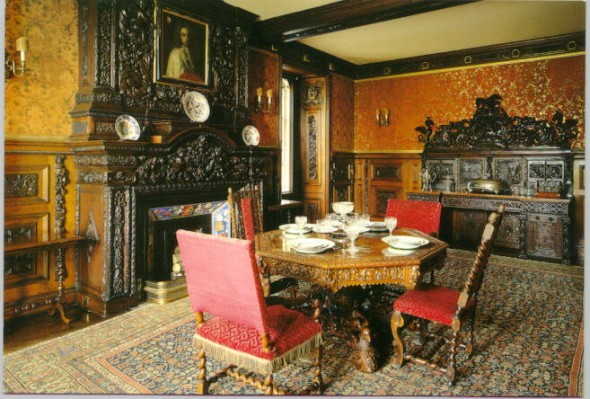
(446, 306)
(412, 214)
(242, 331)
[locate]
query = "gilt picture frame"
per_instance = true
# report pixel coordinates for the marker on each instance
(181, 48)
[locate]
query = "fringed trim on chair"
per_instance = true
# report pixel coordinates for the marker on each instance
(254, 363)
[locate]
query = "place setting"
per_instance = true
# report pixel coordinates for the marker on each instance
(299, 227)
(311, 245)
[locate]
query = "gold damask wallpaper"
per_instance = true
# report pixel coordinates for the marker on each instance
(534, 88)
(341, 117)
(38, 104)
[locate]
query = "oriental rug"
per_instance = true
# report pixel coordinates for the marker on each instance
(529, 342)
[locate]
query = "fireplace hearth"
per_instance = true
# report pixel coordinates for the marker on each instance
(163, 284)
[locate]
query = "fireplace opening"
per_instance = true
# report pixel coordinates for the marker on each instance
(164, 274)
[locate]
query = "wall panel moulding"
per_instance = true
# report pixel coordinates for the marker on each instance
(553, 46)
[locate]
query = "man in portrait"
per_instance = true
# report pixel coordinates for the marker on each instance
(183, 58)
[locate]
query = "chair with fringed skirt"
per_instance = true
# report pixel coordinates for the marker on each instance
(445, 306)
(246, 217)
(242, 331)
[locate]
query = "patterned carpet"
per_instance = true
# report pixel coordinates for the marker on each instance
(529, 342)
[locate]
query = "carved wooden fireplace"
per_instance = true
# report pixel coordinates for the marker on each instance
(121, 184)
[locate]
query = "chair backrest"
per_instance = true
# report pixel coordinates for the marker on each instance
(413, 214)
(223, 278)
(246, 211)
(475, 277)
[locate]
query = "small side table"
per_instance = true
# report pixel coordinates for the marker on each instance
(58, 245)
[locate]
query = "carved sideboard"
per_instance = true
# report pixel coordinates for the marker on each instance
(532, 228)
(530, 161)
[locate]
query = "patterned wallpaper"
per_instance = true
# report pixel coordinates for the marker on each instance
(264, 72)
(341, 120)
(534, 88)
(37, 105)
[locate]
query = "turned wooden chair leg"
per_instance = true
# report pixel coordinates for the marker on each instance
(268, 386)
(202, 383)
(317, 362)
(452, 358)
(397, 322)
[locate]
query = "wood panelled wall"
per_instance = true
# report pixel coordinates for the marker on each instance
(33, 211)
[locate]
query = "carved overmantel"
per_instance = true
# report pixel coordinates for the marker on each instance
(492, 129)
(116, 67)
(119, 181)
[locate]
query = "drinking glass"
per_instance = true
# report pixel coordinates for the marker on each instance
(390, 223)
(301, 221)
(352, 229)
(365, 219)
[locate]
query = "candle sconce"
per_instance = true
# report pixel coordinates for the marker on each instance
(259, 104)
(382, 118)
(10, 66)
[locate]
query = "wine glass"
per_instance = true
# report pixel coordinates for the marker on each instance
(390, 223)
(352, 229)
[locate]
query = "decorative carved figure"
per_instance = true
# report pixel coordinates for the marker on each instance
(427, 178)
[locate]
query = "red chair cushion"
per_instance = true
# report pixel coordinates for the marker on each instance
(429, 302)
(287, 329)
(423, 216)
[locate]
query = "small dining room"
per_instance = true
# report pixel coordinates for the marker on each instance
(387, 197)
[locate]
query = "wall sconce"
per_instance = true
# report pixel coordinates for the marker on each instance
(382, 118)
(10, 66)
(259, 105)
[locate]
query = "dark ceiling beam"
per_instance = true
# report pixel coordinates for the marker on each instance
(341, 15)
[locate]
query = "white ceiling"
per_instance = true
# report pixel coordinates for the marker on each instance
(470, 25)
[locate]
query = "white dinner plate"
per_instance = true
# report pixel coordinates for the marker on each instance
(377, 226)
(396, 252)
(311, 245)
(405, 242)
(292, 228)
(325, 229)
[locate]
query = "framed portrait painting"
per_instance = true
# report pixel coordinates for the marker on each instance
(182, 48)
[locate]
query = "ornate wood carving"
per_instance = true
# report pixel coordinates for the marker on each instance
(492, 128)
(117, 60)
(61, 180)
(202, 159)
(531, 228)
(312, 154)
(21, 185)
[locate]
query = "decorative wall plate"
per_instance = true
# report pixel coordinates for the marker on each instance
(196, 106)
(127, 128)
(251, 135)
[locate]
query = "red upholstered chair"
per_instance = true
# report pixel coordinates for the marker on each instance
(247, 220)
(445, 306)
(412, 214)
(242, 331)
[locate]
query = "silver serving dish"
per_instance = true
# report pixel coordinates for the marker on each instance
(488, 186)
